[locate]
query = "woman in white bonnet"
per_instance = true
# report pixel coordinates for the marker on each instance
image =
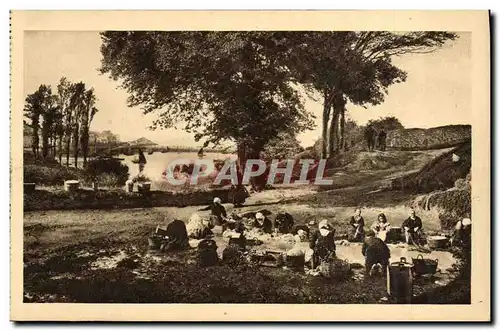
(462, 233)
(323, 242)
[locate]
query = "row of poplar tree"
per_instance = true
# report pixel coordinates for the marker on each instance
(60, 120)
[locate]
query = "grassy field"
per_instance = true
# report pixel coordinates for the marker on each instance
(102, 255)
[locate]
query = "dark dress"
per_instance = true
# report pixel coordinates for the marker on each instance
(352, 233)
(218, 211)
(266, 226)
(322, 246)
(240, 194)
(411, 224)
(177, 235)
(375, 251)
(381, 140)
(284, 222)
(370, 137)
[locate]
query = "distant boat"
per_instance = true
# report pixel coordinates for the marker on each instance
(200, 153)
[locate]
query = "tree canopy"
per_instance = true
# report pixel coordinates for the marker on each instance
(221, 85)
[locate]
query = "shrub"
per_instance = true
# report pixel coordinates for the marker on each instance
(439, 174)
(48, 175)
(98, 168)
(433, 138)
(108, 180)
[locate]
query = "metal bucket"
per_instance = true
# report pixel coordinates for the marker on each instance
(400, 281)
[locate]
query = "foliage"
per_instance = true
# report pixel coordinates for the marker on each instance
(284, 146)
(66, 118)
(355, 67)
(97, 167)
(388, 123)
(222, 85)
(49, 175)
(439, 174)
(433, 138)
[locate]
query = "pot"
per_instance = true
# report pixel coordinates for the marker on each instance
(437, 242)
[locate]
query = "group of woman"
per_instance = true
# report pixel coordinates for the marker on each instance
(380, 227)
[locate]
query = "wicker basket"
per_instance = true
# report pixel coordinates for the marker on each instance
(423, 266)
(337, 269)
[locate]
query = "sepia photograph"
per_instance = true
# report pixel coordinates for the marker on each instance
(251, 166)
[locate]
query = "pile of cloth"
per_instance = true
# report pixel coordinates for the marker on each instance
(198, 227)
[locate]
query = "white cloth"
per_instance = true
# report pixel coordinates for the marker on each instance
(323, 223)
(324, 232)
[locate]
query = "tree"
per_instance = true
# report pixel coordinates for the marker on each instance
(42, 104)
(88, 110)
(223, 85)
(64, 92)
(388, 123)
(284, 146)
(77, 104)
(32, 111)
(356, 67)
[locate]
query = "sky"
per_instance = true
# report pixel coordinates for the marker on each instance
(437, 91)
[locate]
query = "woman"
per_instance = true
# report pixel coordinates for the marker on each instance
(217, 211)
(322, 243)
(357, 226)
(263, 223)
(381, 226)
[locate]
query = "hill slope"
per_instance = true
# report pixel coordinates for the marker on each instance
(439, 174)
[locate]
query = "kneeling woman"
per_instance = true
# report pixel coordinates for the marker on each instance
(323, 243)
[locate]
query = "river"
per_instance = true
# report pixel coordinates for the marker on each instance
(158, 162)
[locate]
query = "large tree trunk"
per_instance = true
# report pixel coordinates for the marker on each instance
(332, 146)
(68, 144)
(326, 117)
(342, 130)
(45, 142)
(76, 134)
(35, 141)
(60, 147)
(84, 143)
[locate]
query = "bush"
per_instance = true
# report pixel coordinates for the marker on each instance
(108, 180)
(47, 175)
(111, 170)
(439, 174)
(433, 138)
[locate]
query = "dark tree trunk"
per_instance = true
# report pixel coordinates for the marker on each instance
(35, 141)
(68, 144)
(45, 142)
(84, 143)
(76, 134)
(332, 146)
(326, 117)
(342, 130)
(59, 147)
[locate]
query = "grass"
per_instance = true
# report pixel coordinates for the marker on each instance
(61, 247)
(439, 174)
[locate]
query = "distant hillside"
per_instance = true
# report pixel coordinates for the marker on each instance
(433, 138)
(141, 141)
(439, 174)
